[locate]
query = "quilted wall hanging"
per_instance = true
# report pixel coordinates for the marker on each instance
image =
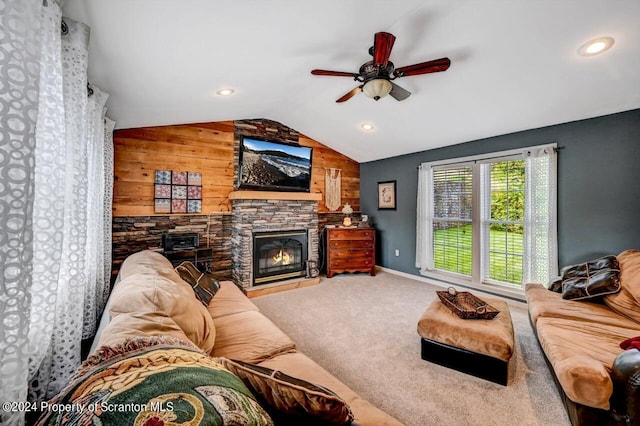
(178, 192)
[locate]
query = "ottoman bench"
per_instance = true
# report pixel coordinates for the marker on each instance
(480, 347)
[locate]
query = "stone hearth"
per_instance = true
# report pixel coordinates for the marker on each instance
(254, 211)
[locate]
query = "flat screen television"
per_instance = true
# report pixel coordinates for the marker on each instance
(274, 166)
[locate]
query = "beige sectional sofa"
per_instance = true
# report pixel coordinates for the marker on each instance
(150, 299)
(599, 381)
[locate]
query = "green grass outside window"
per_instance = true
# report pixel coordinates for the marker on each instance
(452, 251)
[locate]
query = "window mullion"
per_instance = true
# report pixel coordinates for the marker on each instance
(476, 221)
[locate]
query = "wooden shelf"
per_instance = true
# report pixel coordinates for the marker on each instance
(272, 195)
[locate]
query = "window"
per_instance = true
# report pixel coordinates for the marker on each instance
(452, 227)
(489, 219)
(502, 221)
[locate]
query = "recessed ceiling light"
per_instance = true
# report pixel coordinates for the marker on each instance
(367, 127)
(225, 92)
(595, 46)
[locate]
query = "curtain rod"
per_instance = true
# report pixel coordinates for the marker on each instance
(555, 149)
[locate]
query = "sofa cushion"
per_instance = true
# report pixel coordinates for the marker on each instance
(625, 305)
(204, 285)
(627, 301)
(582, 353)
(131, 325)
(301, 366)
(630, 271)
(249, 336)
(291, 398)
(229, 300)
(149, 262)
(545, 303)
(152, 300)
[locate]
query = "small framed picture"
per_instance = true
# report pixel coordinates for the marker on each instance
(387, 195)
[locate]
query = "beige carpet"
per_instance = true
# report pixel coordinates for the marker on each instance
(363, 330)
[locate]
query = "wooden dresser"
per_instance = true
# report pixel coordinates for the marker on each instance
(351, 250)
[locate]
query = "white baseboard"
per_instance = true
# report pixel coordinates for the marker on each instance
(441, 283)
(415, 277)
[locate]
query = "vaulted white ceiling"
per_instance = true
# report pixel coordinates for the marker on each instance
(514, 65)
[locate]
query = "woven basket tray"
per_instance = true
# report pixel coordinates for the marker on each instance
(466, 305)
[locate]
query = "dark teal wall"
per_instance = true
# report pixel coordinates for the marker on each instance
(598, 188)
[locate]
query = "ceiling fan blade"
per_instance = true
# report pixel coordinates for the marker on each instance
(382, 44)
(334, 73)
(350, 95)
(398, 93)
(436, 65)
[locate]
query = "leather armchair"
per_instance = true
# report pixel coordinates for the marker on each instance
(625, 374)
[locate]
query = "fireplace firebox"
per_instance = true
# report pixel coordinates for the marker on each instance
(279, 255)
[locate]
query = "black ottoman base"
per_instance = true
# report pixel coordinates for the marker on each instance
(479, 365)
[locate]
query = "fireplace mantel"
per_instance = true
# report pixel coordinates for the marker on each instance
(272, 195)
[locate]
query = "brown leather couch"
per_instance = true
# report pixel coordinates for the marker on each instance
(598, 381)
(150, 299)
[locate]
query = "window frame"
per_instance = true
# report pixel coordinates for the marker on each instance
(476, 280)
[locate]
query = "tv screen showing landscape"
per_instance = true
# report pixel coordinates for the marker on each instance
(273, 166)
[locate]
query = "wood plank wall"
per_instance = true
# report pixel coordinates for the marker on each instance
(207, 148)
(326, 158)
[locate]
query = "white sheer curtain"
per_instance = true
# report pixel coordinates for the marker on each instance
(48, 210)
(55, 235)
(20, 70)
(540, 245)
(98, 155)
(424, 217)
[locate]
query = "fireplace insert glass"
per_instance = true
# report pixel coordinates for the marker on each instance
(279, 255)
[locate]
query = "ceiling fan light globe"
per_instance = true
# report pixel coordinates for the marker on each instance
(377, 88)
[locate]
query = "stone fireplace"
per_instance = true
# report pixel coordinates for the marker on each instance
(256, 213)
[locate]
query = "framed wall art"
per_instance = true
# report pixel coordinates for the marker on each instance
(387, 195)
(178, 192)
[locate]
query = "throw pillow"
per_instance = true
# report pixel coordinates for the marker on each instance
(584, 269)
(593, 285)
(591, 279)
(204, 285)
(555, 285)
(627, 301)
(290, 396)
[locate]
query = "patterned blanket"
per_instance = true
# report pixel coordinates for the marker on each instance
(154, 382)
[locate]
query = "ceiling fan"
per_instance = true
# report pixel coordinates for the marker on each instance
(376, 76)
